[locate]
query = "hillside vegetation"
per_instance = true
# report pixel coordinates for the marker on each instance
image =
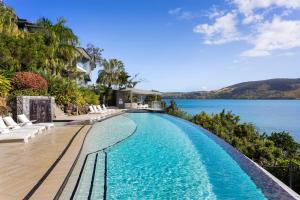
(266, 89)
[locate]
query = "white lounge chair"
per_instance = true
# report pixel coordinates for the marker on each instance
(93, 111)
(11, 136)
(107, 110)
(12, 124)
(96, 109)
(101, 109)
(23, 119)
(6, 133)
(29, 132)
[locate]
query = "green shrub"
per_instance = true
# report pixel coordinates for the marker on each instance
(29, 92)
(286, 142)
(173, 109)
(65, 91)
(90, 96)
(4, 86)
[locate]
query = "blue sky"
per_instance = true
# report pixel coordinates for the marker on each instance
(185, 45)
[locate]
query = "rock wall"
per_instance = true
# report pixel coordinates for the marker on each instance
(39, 108)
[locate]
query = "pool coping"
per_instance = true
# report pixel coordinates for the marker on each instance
(237, 156)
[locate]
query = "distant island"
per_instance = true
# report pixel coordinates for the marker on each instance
(265, 89)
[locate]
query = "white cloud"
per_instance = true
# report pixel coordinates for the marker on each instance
(255, 53)
(223, 30)
(175, 11)
(265, 24)
(275, 35)
(181, 14)
(215, 13)
(247, 7)
(253, 18)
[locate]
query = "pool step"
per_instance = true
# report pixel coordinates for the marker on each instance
(91, 183)
(97, 191)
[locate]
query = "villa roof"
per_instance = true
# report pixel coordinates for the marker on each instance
(87, 56)
(24, 23)
(84, 53)
(141, 92)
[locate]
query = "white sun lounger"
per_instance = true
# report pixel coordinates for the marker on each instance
(93, 111)
(15, 134)
(101, 109)
(107, 110)
(96, 109)
(23, 119)
(12, 124)
(12, 136)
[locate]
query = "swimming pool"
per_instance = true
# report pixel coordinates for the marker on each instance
(157, 156)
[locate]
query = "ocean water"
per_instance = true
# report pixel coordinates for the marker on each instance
(267, 115)
(167, 158)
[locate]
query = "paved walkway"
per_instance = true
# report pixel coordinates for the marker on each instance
(23, 165)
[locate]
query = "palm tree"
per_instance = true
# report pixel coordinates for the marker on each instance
(133, 81)
(8, 21)
(111, 73)
(62, 45)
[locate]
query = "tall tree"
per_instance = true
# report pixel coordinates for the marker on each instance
(111, 72)
(62, 45)
(8, 20)
(95, 53)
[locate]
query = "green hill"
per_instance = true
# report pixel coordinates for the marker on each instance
(266, 89)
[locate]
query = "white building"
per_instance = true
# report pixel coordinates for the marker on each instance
(85, 64)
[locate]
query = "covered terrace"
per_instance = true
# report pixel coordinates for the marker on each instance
(132, 98)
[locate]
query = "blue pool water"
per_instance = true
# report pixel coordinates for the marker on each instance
(267, 115)
(167, 158)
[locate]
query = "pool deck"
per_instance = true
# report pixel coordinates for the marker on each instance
(37, 169)
(88, 116)
(24, 164)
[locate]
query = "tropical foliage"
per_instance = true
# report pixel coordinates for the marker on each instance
(65, 91)
(111, 73)
(173, 109)
(49, 50)
(51, 47)
(8, 20)
(4, 86)
(95, 53)
(61, 43)
(286, 142)
(90, 96)
(114, 76)
(242, 136)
